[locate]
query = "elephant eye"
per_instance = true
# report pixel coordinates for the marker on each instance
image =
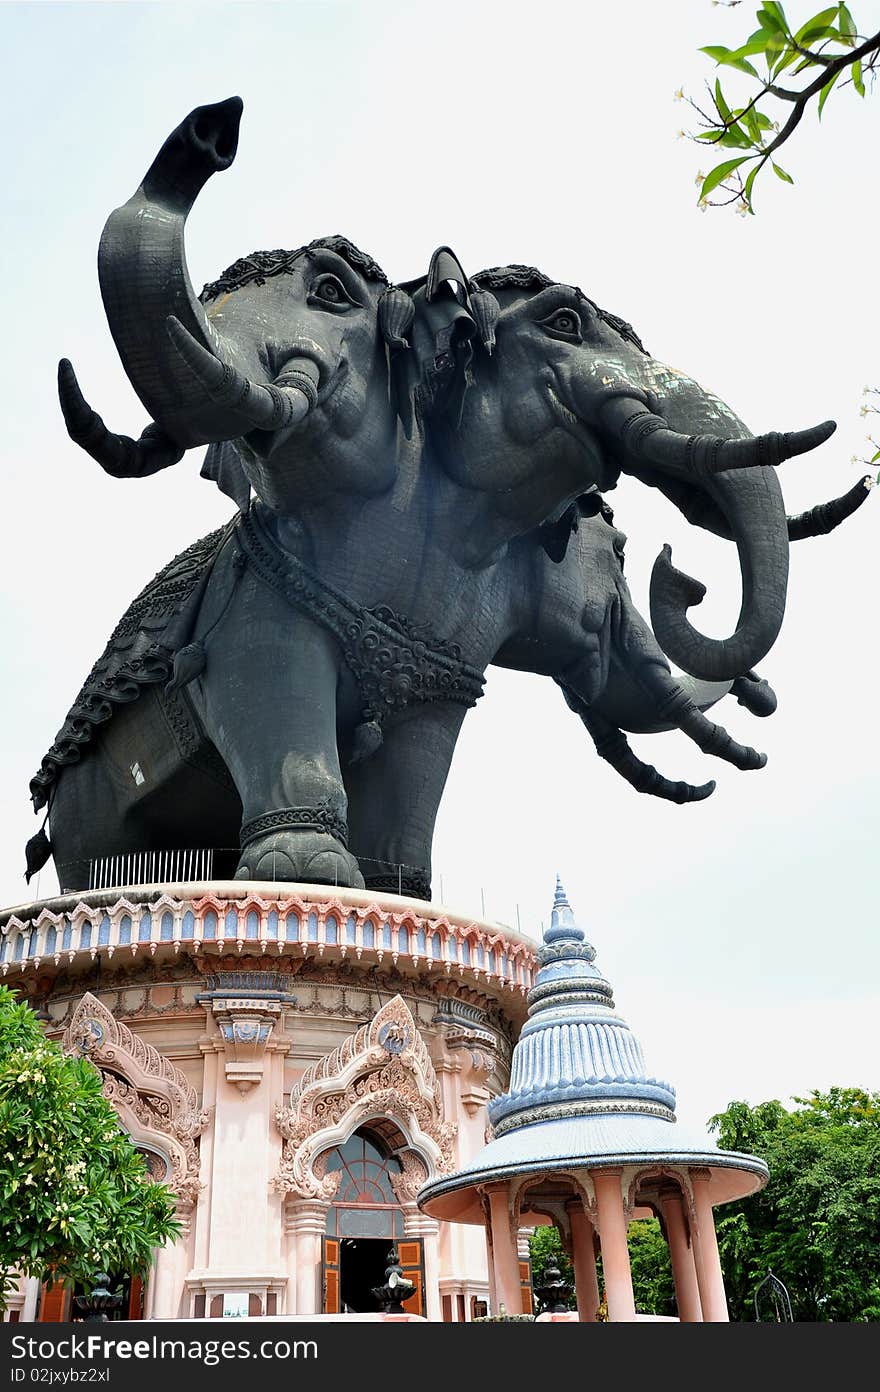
(563, 323)
(329, 291)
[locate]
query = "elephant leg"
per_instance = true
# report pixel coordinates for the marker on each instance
(149, 783)
(393, 797)
(267, 698)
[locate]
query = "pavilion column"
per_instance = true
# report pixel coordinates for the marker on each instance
(684, 1273)
(490, 1268)
(706, 1259)
(615, 1253)
(505, 1258)
(306, 1221)
(583, 1251)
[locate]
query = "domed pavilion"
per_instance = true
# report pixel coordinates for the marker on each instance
(587, 1139)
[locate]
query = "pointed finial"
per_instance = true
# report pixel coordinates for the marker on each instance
(562, 924)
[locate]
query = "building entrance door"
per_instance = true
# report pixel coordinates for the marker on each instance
(355, 1266)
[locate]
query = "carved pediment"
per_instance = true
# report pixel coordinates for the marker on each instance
(383, 1069)
(155, 1102)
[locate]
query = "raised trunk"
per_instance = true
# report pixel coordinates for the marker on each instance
(144, 278)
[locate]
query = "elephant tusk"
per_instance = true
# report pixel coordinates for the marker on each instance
(118, 455)
(823, 518)
(649, 440)
(267, 407)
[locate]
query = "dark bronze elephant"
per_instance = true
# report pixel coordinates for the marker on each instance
(418, 471)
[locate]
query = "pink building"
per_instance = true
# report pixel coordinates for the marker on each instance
(318, 1073)
(296, 1063)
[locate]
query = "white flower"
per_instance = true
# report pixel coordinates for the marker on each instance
(679, 94)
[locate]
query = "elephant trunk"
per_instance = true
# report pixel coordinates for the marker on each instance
(754, 508)
(739, 478)
(144, 278)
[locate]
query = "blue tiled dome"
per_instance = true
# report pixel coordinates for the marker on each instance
(575, 1054)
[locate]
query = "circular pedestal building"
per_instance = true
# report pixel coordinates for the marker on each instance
(296, 1063)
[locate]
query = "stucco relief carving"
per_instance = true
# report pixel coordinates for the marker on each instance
(383, 1069)
(155, 1102)
(414, 1174)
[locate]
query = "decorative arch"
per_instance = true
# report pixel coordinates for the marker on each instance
(381, 1071)
(154, 1101)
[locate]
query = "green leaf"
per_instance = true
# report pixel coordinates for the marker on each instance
(720, 173)
(750, 118)
(772, 7)
(756, 44)
(858, 80)
(781, 174)
(726, 114)
(747, 192)
(736, 139)
(826, 92)
(716, 51)
(741, 65)
(816, 26)
(847, 24)
(769, 22)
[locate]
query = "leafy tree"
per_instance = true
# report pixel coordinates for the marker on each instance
(649, 1262)
(75, 1197)
(651, 1268)
(817, 1223)
(801, 66)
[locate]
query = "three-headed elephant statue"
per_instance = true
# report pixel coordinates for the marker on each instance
(419, 471)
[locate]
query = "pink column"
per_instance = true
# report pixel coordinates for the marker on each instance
(504, 1254)
(490, 1267)
(306, 1225)
(706, 1259)
(615, 1253)
(684, 1274)
(583, 1252)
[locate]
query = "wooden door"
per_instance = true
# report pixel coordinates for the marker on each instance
(411, 1255)
(525, 1286)
(330, 1275)
(136, 1298)
(54, 1304)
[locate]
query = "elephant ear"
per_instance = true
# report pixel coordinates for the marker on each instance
(222, 465)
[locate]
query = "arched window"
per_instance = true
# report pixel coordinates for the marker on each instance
(365, 1204)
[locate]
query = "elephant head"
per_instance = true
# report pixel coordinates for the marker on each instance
(567, 401)
(284, 354)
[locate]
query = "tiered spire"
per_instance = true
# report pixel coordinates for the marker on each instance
(575, 1055)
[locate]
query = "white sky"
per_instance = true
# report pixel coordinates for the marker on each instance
(740, 934)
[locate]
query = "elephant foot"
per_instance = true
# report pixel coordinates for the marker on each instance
(308, 856)
(298, 843)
